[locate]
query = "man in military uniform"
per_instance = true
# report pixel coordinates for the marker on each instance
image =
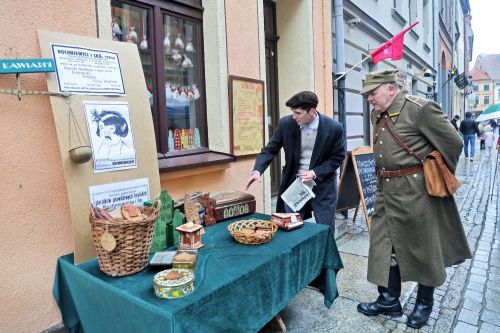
(414, 236)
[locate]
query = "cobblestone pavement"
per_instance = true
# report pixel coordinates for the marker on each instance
(469, 300)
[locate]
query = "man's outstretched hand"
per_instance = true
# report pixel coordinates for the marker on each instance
(255, 176)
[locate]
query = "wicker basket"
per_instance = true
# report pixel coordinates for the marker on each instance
(133, 241)
(236, 230)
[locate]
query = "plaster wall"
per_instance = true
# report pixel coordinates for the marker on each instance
(295, 49)
(36, 227)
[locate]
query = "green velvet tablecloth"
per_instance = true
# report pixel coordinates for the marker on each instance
(239, 288)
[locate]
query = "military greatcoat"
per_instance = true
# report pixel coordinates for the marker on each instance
(424, 232)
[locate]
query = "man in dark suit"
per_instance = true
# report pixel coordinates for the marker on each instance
(314, 149)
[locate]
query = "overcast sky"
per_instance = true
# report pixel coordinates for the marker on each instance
(485, 17)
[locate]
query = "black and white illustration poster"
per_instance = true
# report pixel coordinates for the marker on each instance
(110, 132)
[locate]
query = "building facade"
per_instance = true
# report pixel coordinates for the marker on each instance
(490, 64)
(367, 25)
(283, 43)
(483, 91)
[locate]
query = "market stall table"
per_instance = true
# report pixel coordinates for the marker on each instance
(238, 288)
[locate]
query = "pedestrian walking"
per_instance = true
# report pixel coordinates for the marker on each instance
(469, 129)
(314, 150)
(489, 137)
(414, 236)
(454, 121)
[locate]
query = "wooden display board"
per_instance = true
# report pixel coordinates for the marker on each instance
(358, 183)
(246, 114)
(133, 92)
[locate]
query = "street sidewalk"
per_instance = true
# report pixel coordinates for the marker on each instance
(469, 301)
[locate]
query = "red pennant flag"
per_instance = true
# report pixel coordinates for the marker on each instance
(393, 48)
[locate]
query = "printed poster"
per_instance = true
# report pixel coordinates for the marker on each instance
(87, 71)
(111, 138)
(117, 194)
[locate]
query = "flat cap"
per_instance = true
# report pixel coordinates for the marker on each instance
(375, 79)
(304, 99)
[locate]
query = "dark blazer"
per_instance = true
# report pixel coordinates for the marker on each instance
(328, 154)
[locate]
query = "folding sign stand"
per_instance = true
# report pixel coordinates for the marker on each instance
(358, 183)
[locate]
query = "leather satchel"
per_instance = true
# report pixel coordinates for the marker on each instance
(439, 180)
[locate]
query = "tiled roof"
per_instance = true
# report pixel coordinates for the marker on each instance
(489, 63)
(479, 75)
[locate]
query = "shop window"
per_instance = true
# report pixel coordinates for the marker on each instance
(168, 35)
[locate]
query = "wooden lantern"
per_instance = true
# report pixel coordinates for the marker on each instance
(189, 236)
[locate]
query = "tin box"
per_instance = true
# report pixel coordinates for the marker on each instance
(287, 221)
(229, 204)
(176, 288)
(185, 264)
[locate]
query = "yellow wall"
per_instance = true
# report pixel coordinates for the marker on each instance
(36, 227)
(481, 93)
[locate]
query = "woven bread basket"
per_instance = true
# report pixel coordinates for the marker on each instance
(133, 242)
(265, 231)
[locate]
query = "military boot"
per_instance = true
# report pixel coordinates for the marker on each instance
(387, 302)
(423, 307)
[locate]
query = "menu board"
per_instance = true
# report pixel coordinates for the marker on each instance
(246, 105)
(358, 183)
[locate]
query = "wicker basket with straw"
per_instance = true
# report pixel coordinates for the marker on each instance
(129, 254)
(252, 231)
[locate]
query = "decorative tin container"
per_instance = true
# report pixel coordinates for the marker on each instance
(229, 204)
(173, 283)
(287, 221)
(185, 259)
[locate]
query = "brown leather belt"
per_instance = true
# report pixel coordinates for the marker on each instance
(399, 173)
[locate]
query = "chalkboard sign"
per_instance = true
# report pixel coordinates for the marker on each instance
(358, 183)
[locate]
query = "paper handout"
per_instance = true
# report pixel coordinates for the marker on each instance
(298, 193)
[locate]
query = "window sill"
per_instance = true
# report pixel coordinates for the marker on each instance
(398, 17)
(427, 48)
(193, 160)
(414, 35)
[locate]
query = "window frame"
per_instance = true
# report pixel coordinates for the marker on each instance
(486, 87)
(183, 10)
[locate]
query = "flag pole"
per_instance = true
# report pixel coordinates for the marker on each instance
(353, 67)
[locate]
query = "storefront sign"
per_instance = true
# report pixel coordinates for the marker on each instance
(37, 65)
(246, 99)
(116, 194)
(110, 132)
(87, 71)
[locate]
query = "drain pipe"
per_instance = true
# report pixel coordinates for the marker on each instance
(435, 16)
(338, 15)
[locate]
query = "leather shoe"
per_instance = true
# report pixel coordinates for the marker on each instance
(423, 307)
(386, 304)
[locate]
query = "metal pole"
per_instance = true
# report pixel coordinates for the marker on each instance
(494, 177)
(338, 14)
(341, 105)
(435, 51)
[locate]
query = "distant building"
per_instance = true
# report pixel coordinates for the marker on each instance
(490, 64)
(482, 89)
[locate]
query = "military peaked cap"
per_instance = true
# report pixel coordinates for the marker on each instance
(303, 99)
(375, 79)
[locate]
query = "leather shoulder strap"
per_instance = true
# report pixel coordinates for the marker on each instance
(392, 132)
